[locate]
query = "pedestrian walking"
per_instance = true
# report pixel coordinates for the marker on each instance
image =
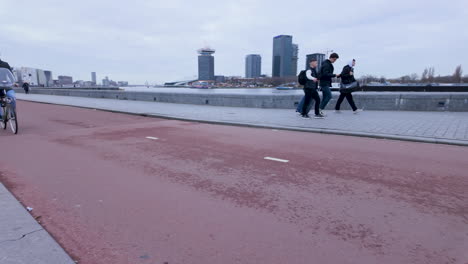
(26, 87)
(348, 84)
(310, 91)
(325, 76)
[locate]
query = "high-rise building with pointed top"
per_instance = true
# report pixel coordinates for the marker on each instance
(206, 64)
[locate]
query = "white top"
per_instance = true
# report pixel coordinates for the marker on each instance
(309, 75)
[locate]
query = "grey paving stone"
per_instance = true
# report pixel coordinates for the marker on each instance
(22, 239)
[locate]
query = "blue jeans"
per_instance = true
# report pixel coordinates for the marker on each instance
(327, 96)
(10, 94)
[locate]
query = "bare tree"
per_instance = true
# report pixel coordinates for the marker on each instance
(424, 75)
(465, 79)
(431, 74)
(405, 79)
(414, 77)
(457, 76)
(368, 79)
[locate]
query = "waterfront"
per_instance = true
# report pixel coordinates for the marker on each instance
(252, 91)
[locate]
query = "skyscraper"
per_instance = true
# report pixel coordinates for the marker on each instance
(93, 78)
(318, 56)
(283, 56)
(41, 77)
(295, 58)
(49, 78)
(206, 64)
(106, 81)
(253, 66)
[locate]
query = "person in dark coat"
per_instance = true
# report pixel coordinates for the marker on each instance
(310, 91)
(326, 75)
(26, 87)
(347, 77)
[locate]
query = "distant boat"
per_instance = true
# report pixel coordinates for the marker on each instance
(200, 87)
(284, 88)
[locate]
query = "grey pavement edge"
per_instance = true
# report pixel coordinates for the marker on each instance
(22, 239)
(428, 127)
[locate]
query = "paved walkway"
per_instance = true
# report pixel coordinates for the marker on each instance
(431, 127)
(22, 239)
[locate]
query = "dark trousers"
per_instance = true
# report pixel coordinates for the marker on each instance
(350, 99)
(309, 95)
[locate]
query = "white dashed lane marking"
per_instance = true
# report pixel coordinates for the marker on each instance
(152, 138)
(275, 159)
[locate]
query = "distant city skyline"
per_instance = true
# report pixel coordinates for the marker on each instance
(390, 38)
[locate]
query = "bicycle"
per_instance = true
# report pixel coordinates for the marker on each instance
(9, 115)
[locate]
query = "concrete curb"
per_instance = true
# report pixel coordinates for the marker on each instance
(288, 128)
(22, 239)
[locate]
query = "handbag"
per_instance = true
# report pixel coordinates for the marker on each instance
(350, 87)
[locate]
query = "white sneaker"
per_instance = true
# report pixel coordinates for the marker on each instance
(323, 113)
(357, 111)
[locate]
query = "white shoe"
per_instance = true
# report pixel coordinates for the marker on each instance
(323, 113)
(357, 111)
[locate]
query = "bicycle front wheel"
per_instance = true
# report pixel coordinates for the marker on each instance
(13, 121)
(3, 121)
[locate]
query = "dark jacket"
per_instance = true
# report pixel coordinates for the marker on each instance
(311, 84)
(4, 64)
(326, 73)
(346, 77)
(26, 86)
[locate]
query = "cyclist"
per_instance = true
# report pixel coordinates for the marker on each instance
(10, 93)
(4, 64)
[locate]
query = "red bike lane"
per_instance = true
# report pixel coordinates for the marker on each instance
(114, 188)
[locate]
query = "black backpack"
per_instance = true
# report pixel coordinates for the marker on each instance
(302, 78)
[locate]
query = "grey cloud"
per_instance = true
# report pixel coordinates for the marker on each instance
(157, 40)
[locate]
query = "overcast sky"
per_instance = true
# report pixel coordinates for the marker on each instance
(156, 41)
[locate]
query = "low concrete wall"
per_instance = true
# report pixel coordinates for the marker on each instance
(77, 88)
(394, 101)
